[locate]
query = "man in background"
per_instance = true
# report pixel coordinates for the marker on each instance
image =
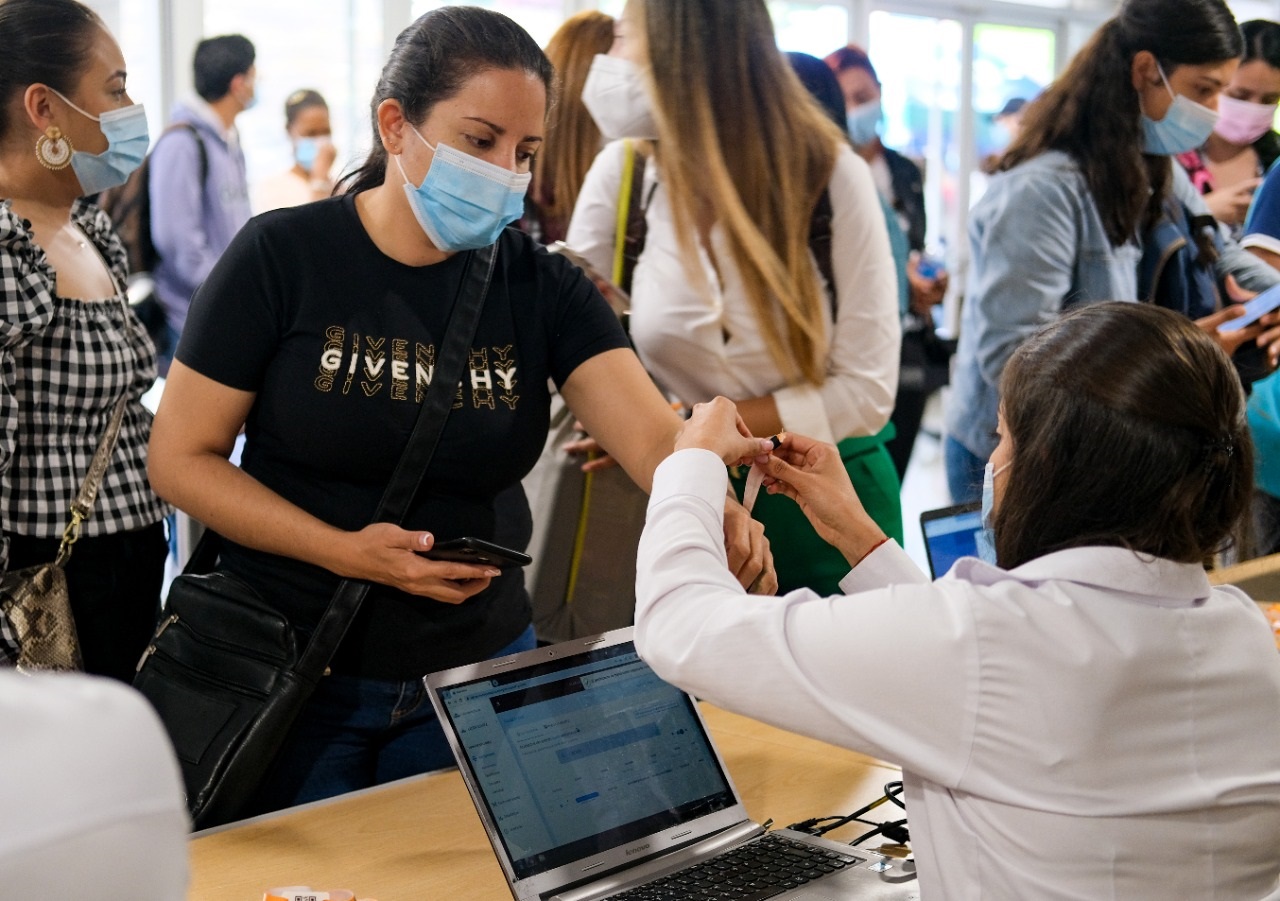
(198, 185)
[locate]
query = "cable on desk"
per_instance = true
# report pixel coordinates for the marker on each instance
(895, 831)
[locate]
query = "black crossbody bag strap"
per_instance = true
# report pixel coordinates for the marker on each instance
(416, 456)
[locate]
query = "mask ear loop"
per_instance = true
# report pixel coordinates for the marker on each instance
(1163, 78)
(396, 159)
(74, 107)
(400, 166)
(1164, 81)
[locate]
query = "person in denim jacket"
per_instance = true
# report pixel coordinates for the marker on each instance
(1060, 225)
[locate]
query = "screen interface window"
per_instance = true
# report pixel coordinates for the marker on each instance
(951, 538)
(584, 755)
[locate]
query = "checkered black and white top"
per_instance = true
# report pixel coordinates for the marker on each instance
(63, 365)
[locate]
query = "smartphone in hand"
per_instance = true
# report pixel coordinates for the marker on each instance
(1254, 310)
(477, 550)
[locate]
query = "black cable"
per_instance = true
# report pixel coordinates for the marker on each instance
(895, 831)
(834, 822)
(823, 825)
(893, 791)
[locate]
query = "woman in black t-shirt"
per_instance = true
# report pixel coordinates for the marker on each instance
(317, 331)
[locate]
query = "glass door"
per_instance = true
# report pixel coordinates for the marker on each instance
(920, 62)
(944, 82)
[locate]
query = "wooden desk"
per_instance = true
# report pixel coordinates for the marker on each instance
(1259, 578)
(420, 838)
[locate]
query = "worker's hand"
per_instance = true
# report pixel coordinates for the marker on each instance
(812, 474)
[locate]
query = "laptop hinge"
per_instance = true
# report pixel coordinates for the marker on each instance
(667, 861)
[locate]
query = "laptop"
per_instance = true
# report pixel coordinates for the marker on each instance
(594, 778)
(949, 534)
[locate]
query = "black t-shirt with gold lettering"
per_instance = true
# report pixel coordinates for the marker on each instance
(338, 342)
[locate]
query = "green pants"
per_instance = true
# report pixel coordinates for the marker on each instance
(802, 558)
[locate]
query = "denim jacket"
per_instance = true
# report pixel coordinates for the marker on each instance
(1039, 248)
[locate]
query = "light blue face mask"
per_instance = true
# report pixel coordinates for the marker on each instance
(863, 122)
(986, 538)
(305, 150)
(1186, 125)
(127, 143)
(464, 203)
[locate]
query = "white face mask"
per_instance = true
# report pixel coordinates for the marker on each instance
(617, 98)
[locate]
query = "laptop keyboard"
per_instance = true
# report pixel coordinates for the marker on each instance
(766, 867)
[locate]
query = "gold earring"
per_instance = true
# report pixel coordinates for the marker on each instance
(53, 149)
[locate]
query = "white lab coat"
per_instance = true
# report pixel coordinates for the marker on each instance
(1093, 724)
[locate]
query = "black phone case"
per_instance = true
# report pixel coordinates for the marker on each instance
(474, 550)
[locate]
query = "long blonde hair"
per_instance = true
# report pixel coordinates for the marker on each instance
(740, 137)
(573, 140)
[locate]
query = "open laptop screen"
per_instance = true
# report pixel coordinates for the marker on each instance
(949, 534)
(582, 754)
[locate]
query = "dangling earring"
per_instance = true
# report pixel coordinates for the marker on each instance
(53, 149)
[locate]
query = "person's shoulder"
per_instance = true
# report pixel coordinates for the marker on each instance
(19, 253)
(899, 162)
(1051, 178)
(305, 222)
(848, 166)
(518, 251)
(612, 154)
(14, 230)
(180, 147)
(1055, 165)
(610, 163)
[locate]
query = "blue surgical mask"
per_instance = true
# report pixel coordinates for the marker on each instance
(1186, 125)
(986, 537)
(127, 143)
(464, 203)
(863, 122)
(305, 150)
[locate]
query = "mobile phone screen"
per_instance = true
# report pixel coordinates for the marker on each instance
(1254, 310)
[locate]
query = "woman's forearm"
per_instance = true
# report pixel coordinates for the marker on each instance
(212, 490)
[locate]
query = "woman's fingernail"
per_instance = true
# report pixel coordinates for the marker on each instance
(424, 539)
(491, 573)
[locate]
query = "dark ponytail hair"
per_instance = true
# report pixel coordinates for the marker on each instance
(1128, 429)
(431, 61)
(1262, 41)
(43, 42)
(1091, 111)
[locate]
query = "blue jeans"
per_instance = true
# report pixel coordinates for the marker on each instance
(356, 733)
(964, 472)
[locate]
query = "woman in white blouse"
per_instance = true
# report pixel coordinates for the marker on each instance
(728, 297)
(1088, 719)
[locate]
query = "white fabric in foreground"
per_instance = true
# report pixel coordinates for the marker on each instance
(91, 801)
